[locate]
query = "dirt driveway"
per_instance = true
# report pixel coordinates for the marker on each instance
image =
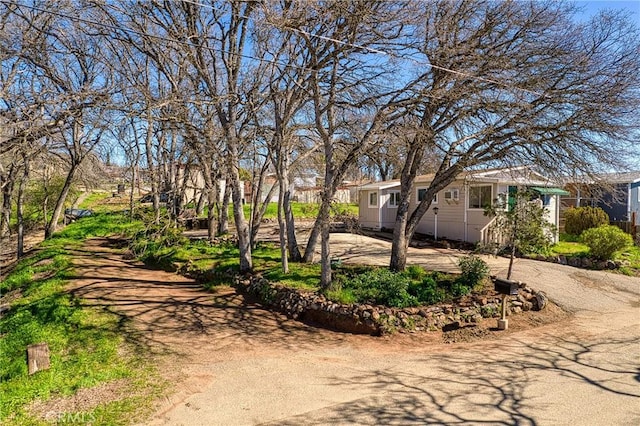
(234, 363)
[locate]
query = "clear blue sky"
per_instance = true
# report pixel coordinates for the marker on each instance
(592, 7)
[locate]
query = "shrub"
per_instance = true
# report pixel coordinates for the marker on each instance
(578, 220)
(604, 241)
(473, 271)
(383, 287)
(415, 272)
(427, 291)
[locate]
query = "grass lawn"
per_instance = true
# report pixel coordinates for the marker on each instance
(352, 284)
(569, 246)
(569, 249)
(300, 210)
(87, 344)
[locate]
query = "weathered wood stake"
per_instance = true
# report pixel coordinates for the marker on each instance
(37, 357)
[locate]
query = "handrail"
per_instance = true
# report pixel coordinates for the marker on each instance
(484, 232)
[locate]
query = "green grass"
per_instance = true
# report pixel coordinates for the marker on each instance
(569, 249)
(570, 246)
(96, 202)
(302, 276)
(87, 344)
(631, 256)
(299, 210)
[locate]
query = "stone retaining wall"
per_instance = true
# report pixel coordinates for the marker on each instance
(581, 262)
(377, 320)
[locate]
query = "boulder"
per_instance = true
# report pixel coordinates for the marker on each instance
(541, 301)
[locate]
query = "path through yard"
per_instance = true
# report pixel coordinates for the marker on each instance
(232, 363)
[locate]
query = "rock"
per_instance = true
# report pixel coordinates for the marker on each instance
(562, 260)
(611, 264)
(451, 326)
(586, 262)
(574, 261)
(541, 301)
(527, 306)
(375, 315)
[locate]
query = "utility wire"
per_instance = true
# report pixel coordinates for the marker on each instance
(382, 52)
(263, 60)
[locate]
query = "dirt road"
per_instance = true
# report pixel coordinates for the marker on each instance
(234, 364)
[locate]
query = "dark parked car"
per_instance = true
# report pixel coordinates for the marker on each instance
(164, 197)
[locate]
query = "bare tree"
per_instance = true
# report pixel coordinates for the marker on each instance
(516, 82)
(59, 51)
(348, 111)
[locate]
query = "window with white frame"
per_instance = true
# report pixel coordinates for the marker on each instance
(480, 197)
(452, 194)
(422, 192)
(394, 199)
(373, 199)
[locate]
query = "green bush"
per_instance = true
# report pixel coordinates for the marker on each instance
(415, 272)
(578, 220)
(473, 271)
(427, 291)
(604, 241)
(382, 287)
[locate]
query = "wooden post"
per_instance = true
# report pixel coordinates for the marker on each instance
(37, 357)
(503, 322)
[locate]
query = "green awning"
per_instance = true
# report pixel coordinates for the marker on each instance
(550, 191)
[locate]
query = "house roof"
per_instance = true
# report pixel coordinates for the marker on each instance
(521, 175)
(627, 177)
(380, 185)
(607, 178)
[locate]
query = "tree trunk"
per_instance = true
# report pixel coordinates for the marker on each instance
(513, 255)
(400, 243)
(151, 166)
(282, 225)
(244, 241)
(325, 250)
(312, 241)
(223, 211)
(294, 250)
(200, 203)
(52, 224)
(7, 191)
(211, 214)
(135, 178)
(19, 207)
(259, 209)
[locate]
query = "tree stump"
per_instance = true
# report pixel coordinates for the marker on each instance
(37, 357)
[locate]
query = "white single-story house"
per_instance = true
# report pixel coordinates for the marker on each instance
(457, 212)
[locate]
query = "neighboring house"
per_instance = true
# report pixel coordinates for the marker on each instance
(307, 188)
(618, 195)
(461, 205)
(314, 195)
(303, 183)
(193, 180)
